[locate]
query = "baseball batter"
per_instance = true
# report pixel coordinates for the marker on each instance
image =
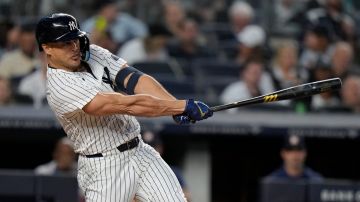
(95, 96)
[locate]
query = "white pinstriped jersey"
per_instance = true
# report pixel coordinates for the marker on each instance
(139, 173)
(69, 92)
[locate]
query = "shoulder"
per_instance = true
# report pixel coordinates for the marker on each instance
(125, 17)
(237, 85)
(46, 169)
(279, 173)
(98, 50)
(59, 74)
(101, 54)
(57, 79)
(311, 174)
(231, 92)
(31, 78)
(9, 56)
(134, 44)
(314, 14)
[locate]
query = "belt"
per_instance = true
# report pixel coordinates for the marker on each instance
(123, 147)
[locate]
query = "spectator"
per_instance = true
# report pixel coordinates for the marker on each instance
(318, 47)
(332, 15)
(21, 61)
(150, 48)
(64, 160)
(327, 100)
(294, 155)
(5, 92)
(106, 40)
(121, 26)
(254, 81)
(350, 93)
(284, 10)
(285, 71)
(241, 14)
(251, 41)
(155, 141)
(34, 84)
(9, 36)
(342, 59)
(188, 44)
(174, 15)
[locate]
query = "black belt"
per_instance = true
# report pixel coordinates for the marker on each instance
(123, 147)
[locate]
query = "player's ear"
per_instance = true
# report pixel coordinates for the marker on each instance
(46, 48)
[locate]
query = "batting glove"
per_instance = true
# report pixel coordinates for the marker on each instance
(197, 110)
(182, 119)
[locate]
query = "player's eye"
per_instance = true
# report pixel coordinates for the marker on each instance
(69, 43)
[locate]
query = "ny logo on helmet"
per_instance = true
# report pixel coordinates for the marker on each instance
(72, 25)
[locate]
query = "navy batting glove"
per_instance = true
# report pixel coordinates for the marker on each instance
(182, 119)
(197, 110)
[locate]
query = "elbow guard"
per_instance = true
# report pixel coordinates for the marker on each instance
(133, 80)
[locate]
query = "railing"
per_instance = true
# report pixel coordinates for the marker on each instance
(20, 185)
(310, 191)
(244, 122)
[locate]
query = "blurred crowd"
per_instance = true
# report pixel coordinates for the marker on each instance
(219, 51)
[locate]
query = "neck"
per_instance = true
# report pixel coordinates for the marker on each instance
(294, 171)
(79, 68)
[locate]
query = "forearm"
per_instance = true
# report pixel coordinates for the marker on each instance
(148, 85)
(149, 106)
(137, 105)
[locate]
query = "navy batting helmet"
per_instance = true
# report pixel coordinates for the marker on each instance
(61, 27)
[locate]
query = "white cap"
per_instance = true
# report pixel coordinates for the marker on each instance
(252, 36)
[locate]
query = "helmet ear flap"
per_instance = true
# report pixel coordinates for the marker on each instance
(84, 48)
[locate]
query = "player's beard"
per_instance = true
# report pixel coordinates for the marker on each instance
(67, 63)
(74, 63)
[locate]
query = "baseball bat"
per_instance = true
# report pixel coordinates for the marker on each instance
(299, 91)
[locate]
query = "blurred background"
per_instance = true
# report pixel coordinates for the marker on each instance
(217, 51)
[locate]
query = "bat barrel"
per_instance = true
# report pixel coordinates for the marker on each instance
(299, 91)
(308, 89)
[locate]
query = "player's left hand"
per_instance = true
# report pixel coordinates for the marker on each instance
(197, 110)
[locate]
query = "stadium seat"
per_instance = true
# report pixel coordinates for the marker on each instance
(161, 69)
(183, 89)
(213, 76)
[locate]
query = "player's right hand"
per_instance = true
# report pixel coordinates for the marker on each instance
(197, 110)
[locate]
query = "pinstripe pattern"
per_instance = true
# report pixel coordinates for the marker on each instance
(139, 173)
(121, 176)
(69, 92)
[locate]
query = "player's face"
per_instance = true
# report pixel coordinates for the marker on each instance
(294, 158)
(65, 55)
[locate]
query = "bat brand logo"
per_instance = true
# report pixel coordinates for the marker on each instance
(270, 98)
(72, 25)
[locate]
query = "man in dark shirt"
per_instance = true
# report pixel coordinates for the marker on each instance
(294, 154)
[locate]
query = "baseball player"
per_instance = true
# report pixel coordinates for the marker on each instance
(95, 96)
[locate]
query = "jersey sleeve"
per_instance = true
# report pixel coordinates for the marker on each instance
(113, 62)
(69, 93)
